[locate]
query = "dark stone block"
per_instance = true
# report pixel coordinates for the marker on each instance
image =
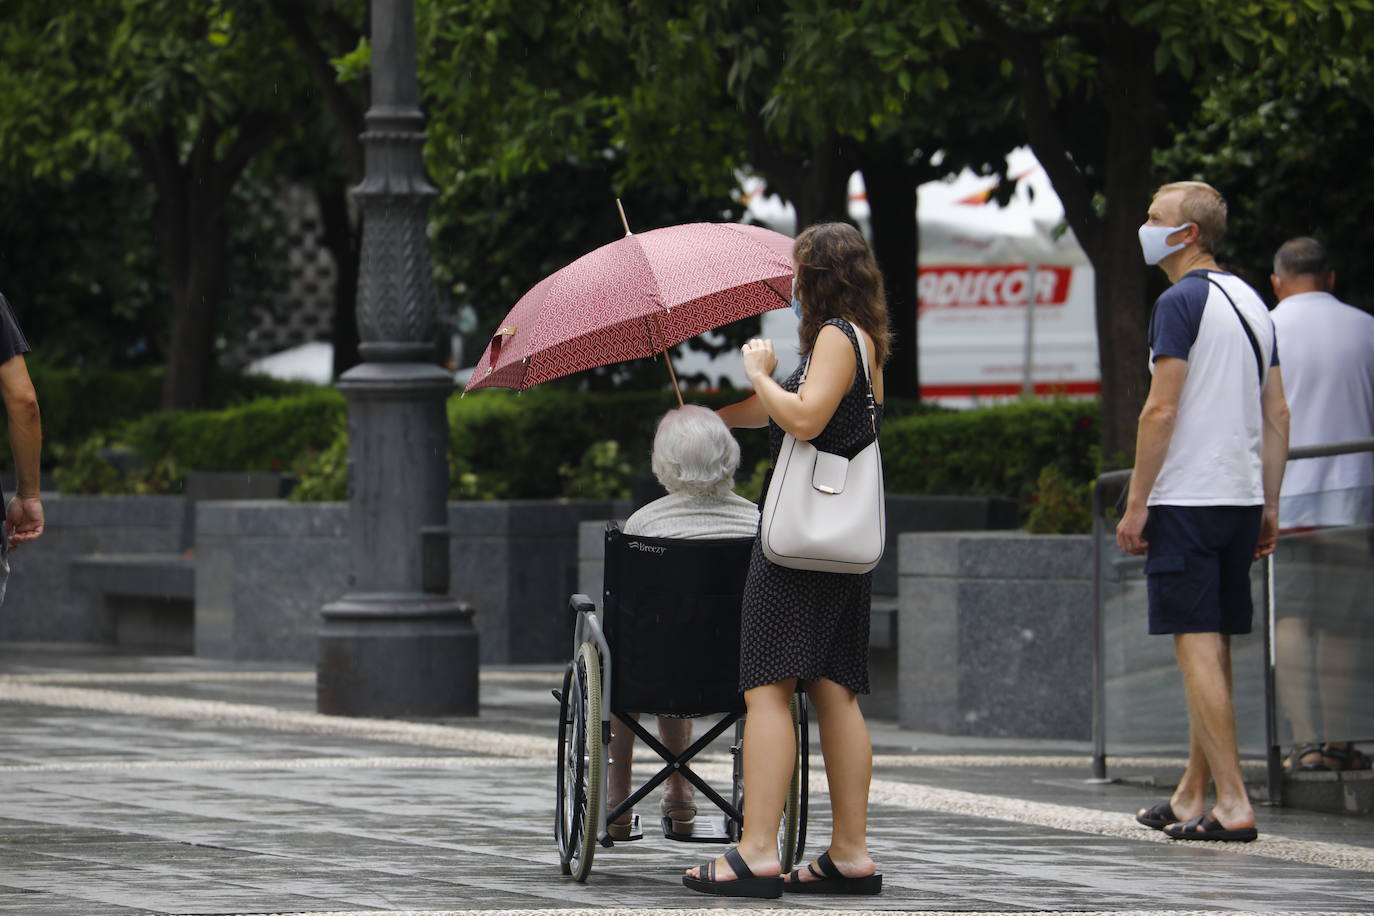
(995, 635)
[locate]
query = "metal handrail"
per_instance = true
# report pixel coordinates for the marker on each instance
(1099, 686)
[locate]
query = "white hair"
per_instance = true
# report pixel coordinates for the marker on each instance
(694, 451)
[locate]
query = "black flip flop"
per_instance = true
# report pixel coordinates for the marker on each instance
(830, 881)
(744, 884)
(1158, 816)
(1207, 827)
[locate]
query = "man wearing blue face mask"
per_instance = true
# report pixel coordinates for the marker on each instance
(1203, 501)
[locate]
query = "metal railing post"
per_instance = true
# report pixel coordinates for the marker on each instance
(1099, 760)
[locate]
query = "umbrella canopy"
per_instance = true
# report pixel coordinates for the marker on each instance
(637, 297)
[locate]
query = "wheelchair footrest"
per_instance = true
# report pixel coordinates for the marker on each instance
(704, 830)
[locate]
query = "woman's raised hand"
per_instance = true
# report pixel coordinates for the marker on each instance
(759, 358)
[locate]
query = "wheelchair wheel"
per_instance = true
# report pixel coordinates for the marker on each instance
(581, 757)
(792, 827)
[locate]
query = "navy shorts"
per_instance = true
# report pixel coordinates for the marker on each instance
(1198, 568)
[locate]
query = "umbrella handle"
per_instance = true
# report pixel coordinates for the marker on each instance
(677, 389)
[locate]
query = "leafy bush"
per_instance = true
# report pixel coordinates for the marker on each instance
(603, 473)
(1060, 505)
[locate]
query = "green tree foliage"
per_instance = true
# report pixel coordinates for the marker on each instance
(1102, 85)
(524, 148)
(189, 90)
(1291, 146)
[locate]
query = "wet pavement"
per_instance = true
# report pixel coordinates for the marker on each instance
(155, 784)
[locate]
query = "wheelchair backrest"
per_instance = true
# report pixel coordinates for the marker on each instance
(671, 614)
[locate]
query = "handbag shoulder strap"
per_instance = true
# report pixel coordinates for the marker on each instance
(861, 353)
(1249, 333)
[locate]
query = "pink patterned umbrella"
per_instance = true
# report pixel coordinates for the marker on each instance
(637, 297)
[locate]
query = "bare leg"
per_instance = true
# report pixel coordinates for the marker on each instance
(1205, 660)
(848, 771)
(1297, 678)
(770, 754)
(1338, 675)
(622, 761)
(677, 737)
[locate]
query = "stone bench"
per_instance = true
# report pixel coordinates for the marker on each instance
(150, 596)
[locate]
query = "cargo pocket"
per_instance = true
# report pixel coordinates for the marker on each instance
(1168, 563)
(1166, 584)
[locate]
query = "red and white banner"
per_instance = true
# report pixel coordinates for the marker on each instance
(990, 286)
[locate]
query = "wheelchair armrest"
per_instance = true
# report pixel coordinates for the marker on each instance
(581, 604)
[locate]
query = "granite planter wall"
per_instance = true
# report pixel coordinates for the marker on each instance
(995, 634)
(905, 512)
(264, 568)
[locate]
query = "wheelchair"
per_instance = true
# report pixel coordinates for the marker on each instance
(666, 641)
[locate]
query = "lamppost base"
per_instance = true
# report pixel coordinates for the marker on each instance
(397, 655)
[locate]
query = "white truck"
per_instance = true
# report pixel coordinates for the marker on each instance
(981, 266)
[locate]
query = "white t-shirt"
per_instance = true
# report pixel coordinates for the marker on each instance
(1214, 453)
(1328, 375)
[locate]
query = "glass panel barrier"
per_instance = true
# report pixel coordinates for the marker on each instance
(1324, 618)
(1144, 711)
(1304, 675)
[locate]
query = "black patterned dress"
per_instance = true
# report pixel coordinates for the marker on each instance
(798, 623)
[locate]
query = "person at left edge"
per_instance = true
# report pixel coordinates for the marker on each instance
(24, 513)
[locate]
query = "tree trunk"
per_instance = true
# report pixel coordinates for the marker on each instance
(192, 198)
(816, 185)
(1127, 86)
(1119, 281)
(195, 308)
(891, 187)
(341, 238)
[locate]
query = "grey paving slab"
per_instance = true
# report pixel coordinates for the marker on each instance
(107, 809)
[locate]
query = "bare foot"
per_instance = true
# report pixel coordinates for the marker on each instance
(723, 871)
(856, 867)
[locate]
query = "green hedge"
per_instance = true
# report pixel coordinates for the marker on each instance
(262, 436)
(80, 402)
(549, 442)
(266, 435)
(996, 451)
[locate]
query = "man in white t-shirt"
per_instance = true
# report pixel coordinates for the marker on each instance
(1204, 494)
(1323, 574)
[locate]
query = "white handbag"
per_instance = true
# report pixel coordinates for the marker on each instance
(824, 512)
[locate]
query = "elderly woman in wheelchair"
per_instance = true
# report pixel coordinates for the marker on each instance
(694, 458)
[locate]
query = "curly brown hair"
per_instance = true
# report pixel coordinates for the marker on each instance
(837, 277)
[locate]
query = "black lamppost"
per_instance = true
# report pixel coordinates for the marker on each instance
(396, 644)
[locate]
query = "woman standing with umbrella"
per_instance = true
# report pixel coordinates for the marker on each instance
(801, 627)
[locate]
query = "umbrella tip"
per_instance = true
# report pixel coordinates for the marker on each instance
(623, 221)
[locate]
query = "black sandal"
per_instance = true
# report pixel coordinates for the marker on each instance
(1207, 827)
(1158, 816)
(1293, 763)
(1346, 757)
(829, 880)
(744, 884)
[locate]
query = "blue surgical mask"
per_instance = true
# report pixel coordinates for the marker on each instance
(796, 303)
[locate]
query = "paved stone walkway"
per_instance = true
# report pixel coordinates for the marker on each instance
(154, 784)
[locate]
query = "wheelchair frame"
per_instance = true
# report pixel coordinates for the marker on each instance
(584, 735)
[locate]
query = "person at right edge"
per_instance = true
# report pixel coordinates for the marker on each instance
(1203, 502)
(1323, 575)
(801, 628)
(24, 514)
